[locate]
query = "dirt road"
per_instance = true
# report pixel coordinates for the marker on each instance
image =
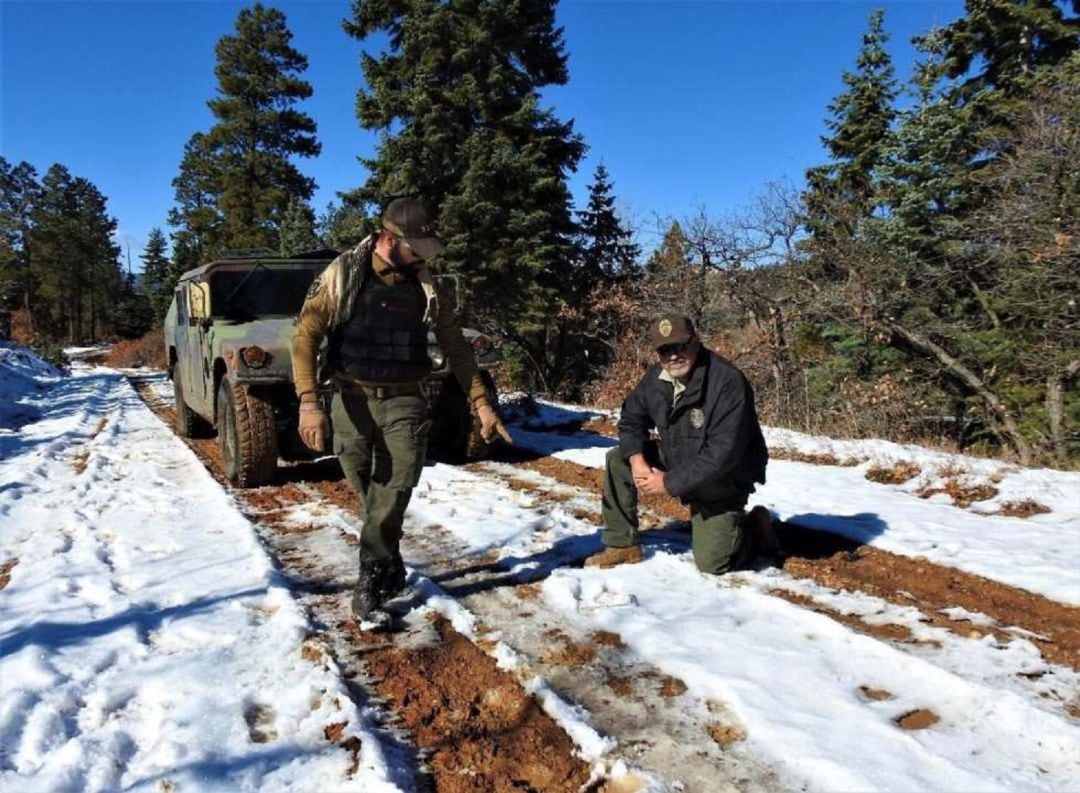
(466, 724)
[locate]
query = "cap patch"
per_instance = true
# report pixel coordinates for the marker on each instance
(665, 328)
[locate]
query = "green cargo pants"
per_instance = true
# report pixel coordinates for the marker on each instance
(381, 443)
(719, 542)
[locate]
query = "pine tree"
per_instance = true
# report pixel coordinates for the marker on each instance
(157, 279)
(672, 253)
(237, 180)
(134, 314)
(843, 192)
(298, 229)
(608, 251)
(341, 226)
(19, 190)
(456, 98)
(74, 262)
(196, 219)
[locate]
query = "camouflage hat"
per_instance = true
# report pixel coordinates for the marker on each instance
(670, 329)
(408, 219)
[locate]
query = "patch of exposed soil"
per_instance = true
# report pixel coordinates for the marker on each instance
(890, 631)
(623, 686)
(875, 694)
(671, 687)
(917, 719)
(570, 655)
(592, 479)
(601, 425)
(930, 588)
(726, 734)
(607, 639)
(5, 571)
(481, 729)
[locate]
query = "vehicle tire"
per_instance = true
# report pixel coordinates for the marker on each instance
(247, 435)
(186, 420)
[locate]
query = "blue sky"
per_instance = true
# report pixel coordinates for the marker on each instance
(690, 105)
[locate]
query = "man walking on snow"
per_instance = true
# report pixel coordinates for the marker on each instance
(710, 454)
(374, 304)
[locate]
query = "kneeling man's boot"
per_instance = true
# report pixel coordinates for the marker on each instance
(611, 557)
(369, 594)
(759, 523)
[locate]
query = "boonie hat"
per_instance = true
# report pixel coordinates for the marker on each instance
(670, 329)
(408, 219)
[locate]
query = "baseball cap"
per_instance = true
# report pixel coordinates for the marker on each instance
(408, 218)
(670, 329)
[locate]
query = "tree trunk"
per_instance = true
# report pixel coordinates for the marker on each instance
(1008, 426)
(1055, 408)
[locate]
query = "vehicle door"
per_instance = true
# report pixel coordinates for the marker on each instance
(199, 353)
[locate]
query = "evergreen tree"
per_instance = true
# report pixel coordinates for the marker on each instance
(196, 219)
(134, 315)
(157, 279)
(673, 252)
(607, 249)
(456, 98)
(74, 262)
(298, 229)
(19, 190)
(843, 192)
(237, 180)
(341, 226)
(928, 276)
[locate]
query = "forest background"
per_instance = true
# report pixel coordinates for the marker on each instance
(920, 284)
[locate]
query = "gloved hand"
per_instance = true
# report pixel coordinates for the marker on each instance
(314, 426)
(490, 424)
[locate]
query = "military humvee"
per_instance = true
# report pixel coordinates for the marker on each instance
(228, 335)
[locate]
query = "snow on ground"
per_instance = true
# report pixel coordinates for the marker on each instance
(1040, 553)
(789, 677)
(145, 640)
(144, 637)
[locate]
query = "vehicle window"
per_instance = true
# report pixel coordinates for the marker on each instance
(263, 291)
(182, 315)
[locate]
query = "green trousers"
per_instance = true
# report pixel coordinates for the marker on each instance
(381, 443)
(719, 542)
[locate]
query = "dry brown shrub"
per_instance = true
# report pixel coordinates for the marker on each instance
(962, 495)
(21, 328)
(814, 458)
(149, 351)
(896, 474)
(1021, 509)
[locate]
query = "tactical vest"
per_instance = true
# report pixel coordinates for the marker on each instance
(385, 340)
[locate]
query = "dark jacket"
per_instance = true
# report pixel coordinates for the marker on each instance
(710, 442)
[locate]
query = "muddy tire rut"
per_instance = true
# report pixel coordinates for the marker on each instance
(446, 708)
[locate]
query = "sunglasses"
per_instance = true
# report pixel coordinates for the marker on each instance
(671, 350)
(409, 248)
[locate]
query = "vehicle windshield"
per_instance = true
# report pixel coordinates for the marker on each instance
(260, 291)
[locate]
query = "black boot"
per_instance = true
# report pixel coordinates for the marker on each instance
(369, 595)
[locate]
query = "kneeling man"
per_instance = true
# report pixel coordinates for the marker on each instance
(710, 454)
